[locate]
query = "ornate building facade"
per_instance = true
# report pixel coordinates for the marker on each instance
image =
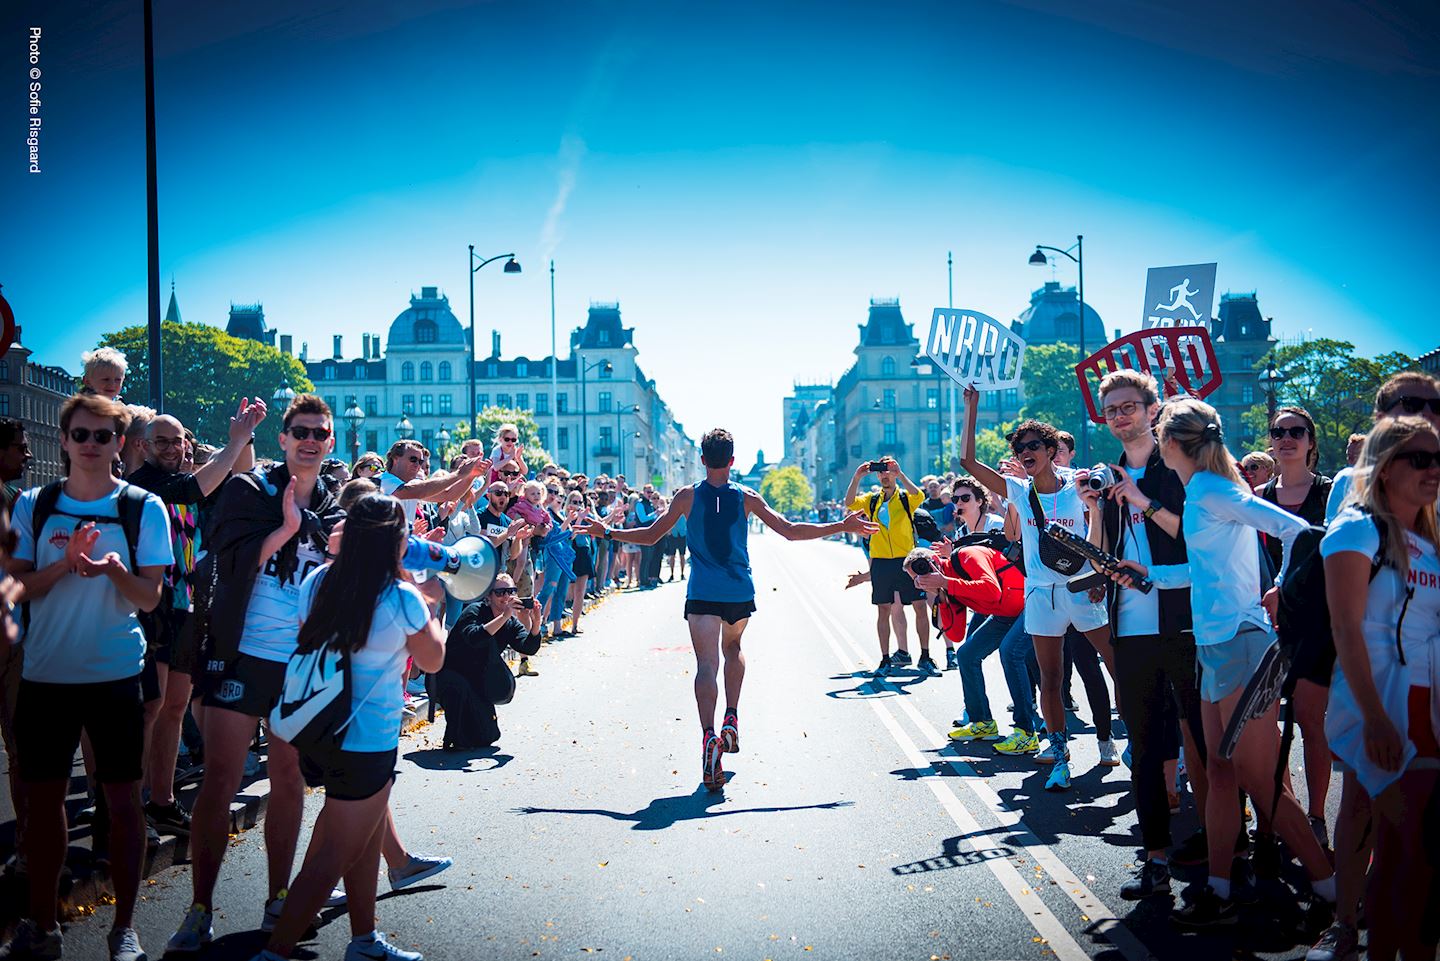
(33, 393)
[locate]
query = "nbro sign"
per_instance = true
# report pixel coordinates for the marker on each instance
(975, 349)
(1179, 296)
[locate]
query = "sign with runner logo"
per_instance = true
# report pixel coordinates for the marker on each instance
(1179, 296)
(1181, 358)
(975, 349)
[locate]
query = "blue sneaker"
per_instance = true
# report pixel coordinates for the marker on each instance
(1059, 779)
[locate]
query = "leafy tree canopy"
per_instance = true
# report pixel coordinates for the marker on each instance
(787, 490)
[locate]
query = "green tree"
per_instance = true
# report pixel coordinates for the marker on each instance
(990, 445)
(488, 422)
(787, 490)
(1052, 393)
(207, 372)
(1336, 387)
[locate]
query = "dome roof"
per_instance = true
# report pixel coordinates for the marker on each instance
(427, 321)
(1050, 319)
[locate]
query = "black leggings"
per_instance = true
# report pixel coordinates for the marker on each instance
(1080, 652)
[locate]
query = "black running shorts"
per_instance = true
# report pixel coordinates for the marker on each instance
(348, 775)
(249, 685)
(50, 717)
(887, 578)
(731, 612)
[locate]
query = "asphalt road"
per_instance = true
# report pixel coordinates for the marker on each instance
(850, 827)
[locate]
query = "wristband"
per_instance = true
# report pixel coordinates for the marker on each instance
(1150, 511)
(609, 534)
(251, 441)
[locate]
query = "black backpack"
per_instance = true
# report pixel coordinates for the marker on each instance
(1013, 551)
(131, 507)
(1304, 609)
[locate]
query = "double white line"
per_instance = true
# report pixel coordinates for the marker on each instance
(1058, 937)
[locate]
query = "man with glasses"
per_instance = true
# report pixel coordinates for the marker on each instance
(167, 666)
(270, 530)
(892, 507)
(406, 477)
(98, 558)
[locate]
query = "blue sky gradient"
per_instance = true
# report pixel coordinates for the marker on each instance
(740, 178)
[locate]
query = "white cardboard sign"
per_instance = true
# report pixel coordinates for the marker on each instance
(975, 348)
(1181, 296)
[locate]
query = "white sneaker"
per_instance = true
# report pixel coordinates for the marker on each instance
(1109, 756)
(273, 907)
(376, 948)
(124, 945)
(194, 932)
(337, 897)
(1056, 751)
(417, 869)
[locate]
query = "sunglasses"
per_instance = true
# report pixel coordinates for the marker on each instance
(497, 493)
(965, 498)
(553, 492)
(509, 473)
(1414, 405)
(305, 433)
(1029, 445)
(502, 590)
(411, 458)
(82, 434)
(1295, 432)
(1120, 410)
(1420, 459)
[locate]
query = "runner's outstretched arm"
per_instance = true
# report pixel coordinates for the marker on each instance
(984, 473)
(854, 522)
(646, 536)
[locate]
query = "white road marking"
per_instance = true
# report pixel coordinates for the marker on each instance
(1102, 919)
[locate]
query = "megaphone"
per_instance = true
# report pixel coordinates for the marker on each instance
(468, 567)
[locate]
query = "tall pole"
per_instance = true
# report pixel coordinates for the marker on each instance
(950, 302)
(584, 420)
(554, 360)
(470, 272)
(1084, 422)
(152, 213)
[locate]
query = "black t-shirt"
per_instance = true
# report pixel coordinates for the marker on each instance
(172, 487)
(492, 523)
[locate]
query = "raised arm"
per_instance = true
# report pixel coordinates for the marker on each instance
(443, 488)
(981, 472)
(854, 522)
(237, 455)
(651, 535)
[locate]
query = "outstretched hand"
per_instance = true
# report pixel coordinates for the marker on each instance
(859, 577)
(856, 522)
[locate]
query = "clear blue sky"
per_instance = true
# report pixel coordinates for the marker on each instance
(740, 177)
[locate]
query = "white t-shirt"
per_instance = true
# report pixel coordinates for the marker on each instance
(988, 522)
(389, 484)
(376, 682)
(1139, 613)
(272, 616)
(1340, 486)
(84, 631)
(1064, 507)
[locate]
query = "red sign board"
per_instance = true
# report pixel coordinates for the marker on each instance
(7, 317)
(1180, 358)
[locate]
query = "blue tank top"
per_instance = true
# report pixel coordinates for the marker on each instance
(716, 536)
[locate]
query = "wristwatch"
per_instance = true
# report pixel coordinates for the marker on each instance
(1149, 512)
(609, 534)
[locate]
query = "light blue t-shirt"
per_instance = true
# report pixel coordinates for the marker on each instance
(84, 631)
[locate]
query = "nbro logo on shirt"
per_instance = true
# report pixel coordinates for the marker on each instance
(307, 560)
(60, 538)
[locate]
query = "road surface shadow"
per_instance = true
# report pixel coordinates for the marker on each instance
(438, 759)
(872, 686)
(665, 812)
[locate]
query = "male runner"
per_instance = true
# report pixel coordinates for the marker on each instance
(721, 596)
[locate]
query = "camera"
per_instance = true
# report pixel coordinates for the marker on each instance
(876, 466)
(922, 565)
(1101, 478)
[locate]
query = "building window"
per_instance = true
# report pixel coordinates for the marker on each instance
(427, 437)
(606, 372)
(604, 339)
(562, 403)
(407, 403)
(446, 404)
(888, 401)
(887, 367)
(522, 401)
(932, 398)
(502, 400)
(425, 333)
(427, 405)
(444, 371)
(1066, 326)
(372, 440)
(5, 371)
(1243, 328)
(542, 403)
(607, 439)
(427, 370)
(563, 435)
(932, 434)
(482, 401)
(359, 371)
(606, 467)
(1012, 396)
(492, 370)
(889, 435)
(545, 437)
(407, 371)
(522, 369)
(4, 405)
(329, 371)
(371, 410)
(1248, 360)
(604, 402)
(1247, 394)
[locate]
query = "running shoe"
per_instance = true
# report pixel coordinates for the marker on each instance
(900, 659)
(525, 670)
(952, 660)
(1109, 757)
(712, 776)
(170, 818)
(1204, 908)
(376, 948)
(1059, 779)
(1193, 850)
(1150, 878)
(882, 669)
(1340, 942)
(1058, 750)
(194, 932)
(124, 945)
(1019, 742)
(29, 942)
(927, 666)
(337, 897)
(730, 735)
(976, 731)
(1322, 834)
(417, 869)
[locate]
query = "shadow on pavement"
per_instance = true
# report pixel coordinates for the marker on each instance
(665, 812)
(872, 686)
(438, 759)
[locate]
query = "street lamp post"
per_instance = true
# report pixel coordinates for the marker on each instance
(355, 417)
(1038, 259)
(554, 376)
(404, 429)
(585, 409)
(1270, 382)
(283, 396)
(511, 267)
(443, 439)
